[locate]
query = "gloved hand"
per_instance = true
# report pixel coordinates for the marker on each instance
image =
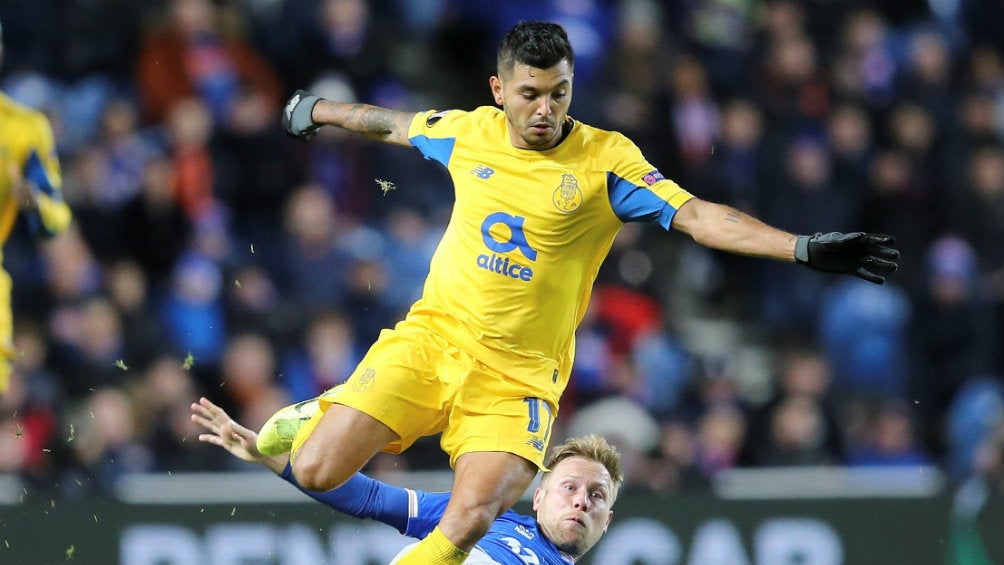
(859, 254)
(296, 118)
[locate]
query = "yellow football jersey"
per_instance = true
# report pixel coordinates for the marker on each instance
(512, 276)
(27, 150)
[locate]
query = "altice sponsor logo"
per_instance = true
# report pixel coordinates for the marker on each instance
(498, 264)
(504, 266)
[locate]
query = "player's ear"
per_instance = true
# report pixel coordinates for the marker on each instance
(538, 495)
(496, 85)
(610, 518)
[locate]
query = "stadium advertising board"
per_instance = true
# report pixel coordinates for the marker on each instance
(647, 530)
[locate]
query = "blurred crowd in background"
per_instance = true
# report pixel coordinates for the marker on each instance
(212, 255)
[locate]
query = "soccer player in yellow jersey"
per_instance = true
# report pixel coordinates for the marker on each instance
(485, 354)
(30, 183)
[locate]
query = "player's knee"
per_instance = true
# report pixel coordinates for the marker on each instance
(465, 525)
(314, 473)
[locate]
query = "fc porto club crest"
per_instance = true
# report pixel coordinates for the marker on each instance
(364, 381)
(567, 197)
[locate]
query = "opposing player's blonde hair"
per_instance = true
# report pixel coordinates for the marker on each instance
(594, 448)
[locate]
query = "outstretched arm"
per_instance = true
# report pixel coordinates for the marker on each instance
(725, 228)
(306, 113)
(864, 255)
(361, 496)
(233, 437)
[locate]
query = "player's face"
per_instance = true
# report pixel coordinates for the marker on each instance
(573, 504)
(535, 102)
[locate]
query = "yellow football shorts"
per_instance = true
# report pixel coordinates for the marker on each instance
(419, 384)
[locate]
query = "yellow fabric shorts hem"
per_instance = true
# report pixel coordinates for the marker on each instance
(418, 384)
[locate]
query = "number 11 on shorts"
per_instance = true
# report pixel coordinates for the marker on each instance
(534, 426)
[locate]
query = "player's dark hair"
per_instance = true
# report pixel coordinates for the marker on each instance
(538, 44)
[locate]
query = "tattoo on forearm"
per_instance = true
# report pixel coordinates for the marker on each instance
(733, 216)
(372, 120)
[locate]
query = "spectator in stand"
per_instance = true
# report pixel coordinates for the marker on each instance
(953, 333)
(664, 367)
(326, 352)
(975, 415)
(192, 54)
(927, 79)
(163, 390)
(799, 424)
(193, 172)
(253, 167)
(737, 163)
(791, 87)
(863, 335)
(672, 467)
(106, 442)
(981, 220)
(410, 244)
(805, 195)
(639, 108)
(796, 435)
(312, 265)
(155, 228)
(720, 434)
(253, 302)
(192, 314)
(347, 35)
(897, 200)
(365, 302)
(891, 441)
(977, 125)
(595, 362)
(128, 288)
(247, 374)
(695, 118)
(866, 66)
(851, 142)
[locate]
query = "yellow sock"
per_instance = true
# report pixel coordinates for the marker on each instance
(436, 549)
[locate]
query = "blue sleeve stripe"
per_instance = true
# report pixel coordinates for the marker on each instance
(34, 171)
(437, 149)
(633, 203)
(429, 508)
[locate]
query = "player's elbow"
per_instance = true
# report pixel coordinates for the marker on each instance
(709, 224)
(703, 235)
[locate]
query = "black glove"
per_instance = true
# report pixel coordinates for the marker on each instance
(296, 118)
(859, 254)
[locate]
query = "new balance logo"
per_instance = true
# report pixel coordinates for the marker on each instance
(483, 172)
